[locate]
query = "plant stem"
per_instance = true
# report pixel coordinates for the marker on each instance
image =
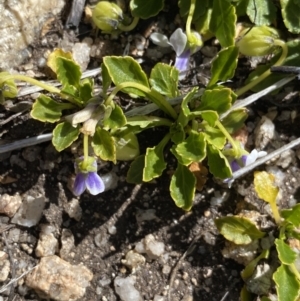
(157, 98)
(267, 72)
(189, 20)
(130, 26)
(236, 150)
(85, 150)
(275, 212)
(42, 85)
(32, 81)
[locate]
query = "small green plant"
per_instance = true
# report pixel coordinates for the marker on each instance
(284, 267)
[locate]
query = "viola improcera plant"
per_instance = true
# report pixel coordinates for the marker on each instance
(193, 133)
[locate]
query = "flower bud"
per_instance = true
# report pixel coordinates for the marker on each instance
(89, 126)
(257, 41)
(195, 41)
(107, 15)
(82, 115)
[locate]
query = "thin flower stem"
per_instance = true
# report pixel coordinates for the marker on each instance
(85, 150)
(130, 26)
(42, 85)
(157, 98)
(189, 20)
(275, 212)
(267, 72)
(236, 149)
(32, 81)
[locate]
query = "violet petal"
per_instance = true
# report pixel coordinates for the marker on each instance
(94, 183)
(244, 159)
(252, 157)
(79, 184)
(234, 166)
(159, 39)
(182, 63)
(178, 40)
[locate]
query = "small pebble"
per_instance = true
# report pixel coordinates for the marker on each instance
(185, 276)
(112, 230)
(166, 269)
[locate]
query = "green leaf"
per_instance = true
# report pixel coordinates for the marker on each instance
(71, 91)
(263, 185)
(224, 65)
(141, 122)
(235, 120)
(135, 172)
(241, 7)
(218, 164)
(104, 145)
(193, 149)
(127, 147)
(237, 229)
(154, 161)
(182, 187)
(51, 61)
(182, 160)
(285, 253)
(218, 100)
(116, 119)
(46, 109)
(290, 15)
(86, 88)
(292, 215)
(177, 133)
(126, 69)
(146, 9)
(222, 22)
(64, 135)
(68, 72)
(106, 79)
(214, 136)
(250, 267)
(202, 23)
(287, 285)
(164, 79)
(200, 8)
(211, 117)
(261, 12)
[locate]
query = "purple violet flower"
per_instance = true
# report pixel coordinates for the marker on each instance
(87, 179)
(243, 161)
(246, 160)
(179, 42)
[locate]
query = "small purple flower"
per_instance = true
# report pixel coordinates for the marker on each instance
(179, 42)
(246, 160)
(88, 178)
(243, 161)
